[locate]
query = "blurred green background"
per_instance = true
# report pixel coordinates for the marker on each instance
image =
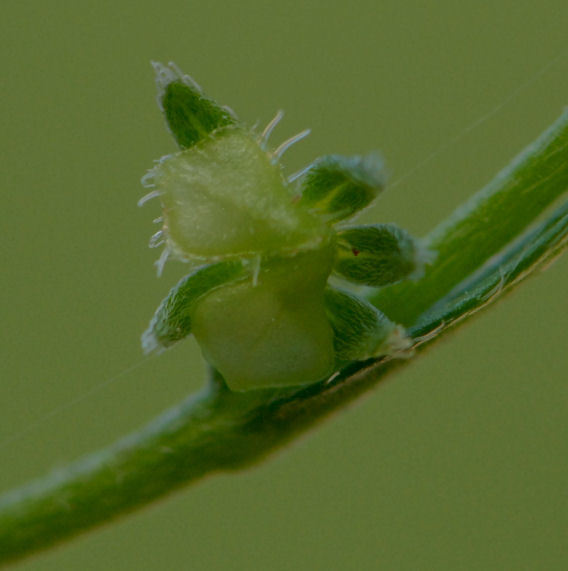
(461, 461)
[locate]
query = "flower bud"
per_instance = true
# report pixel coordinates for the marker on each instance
(378, 255)
(172, 320)
(191, 116)
(336, 187)
(361, 330)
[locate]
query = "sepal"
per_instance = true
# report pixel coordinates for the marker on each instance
(337, 187)
(172, 320)
(190, 115)
(379, 254)
(361, 331)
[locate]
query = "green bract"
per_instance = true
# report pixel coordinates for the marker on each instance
(173, 318)
(361, 330)
(259, 303)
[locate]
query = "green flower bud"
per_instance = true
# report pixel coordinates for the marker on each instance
(172, 320)
(378, 255)
(190, 115)
(336, 187)
(361, 330)
(260, 307)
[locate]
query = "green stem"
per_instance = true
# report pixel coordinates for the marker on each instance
(218, 430)
(486, 223)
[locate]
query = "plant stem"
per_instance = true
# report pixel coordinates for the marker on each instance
(486, 223)
(219, 430)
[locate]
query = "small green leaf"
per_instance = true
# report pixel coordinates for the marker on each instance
(337, 187)
(172, 320)
(379, 254)
(190, 115)
(361, 330)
